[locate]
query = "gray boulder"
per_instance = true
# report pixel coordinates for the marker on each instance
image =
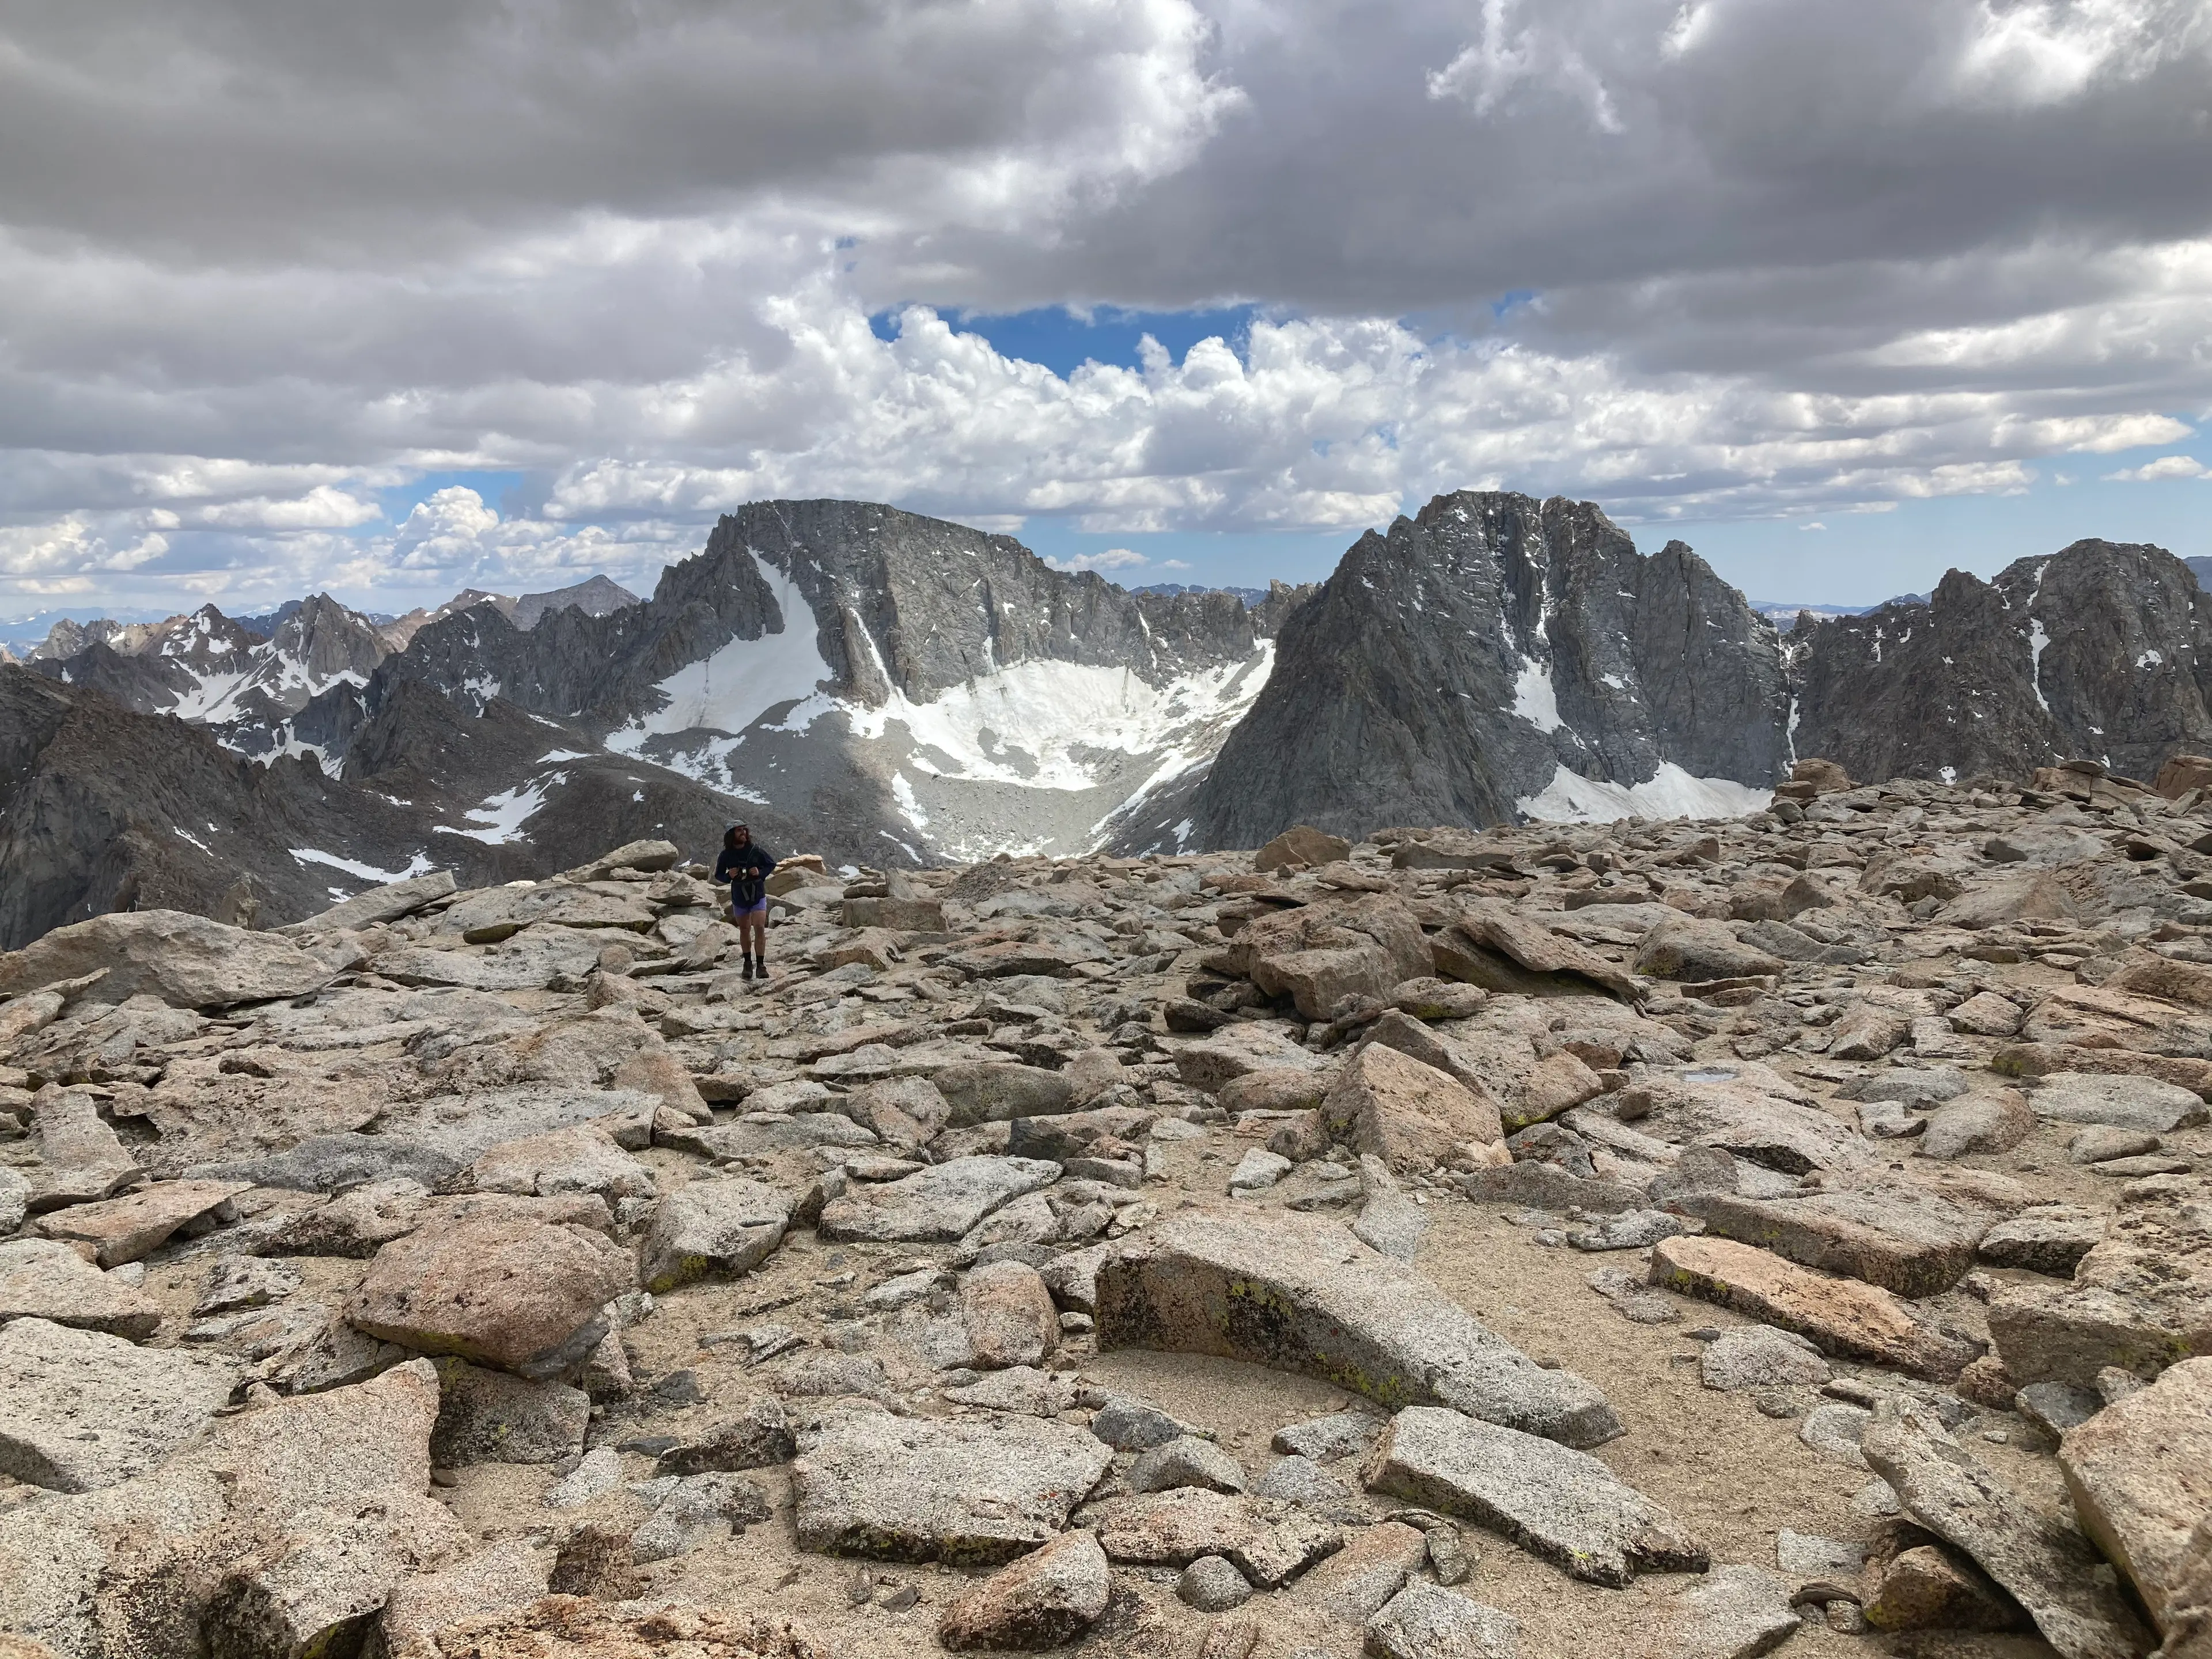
(2117, 1102)
(695, 1510)
(80, 1409)
(1425, 1621)
(40, 1278)
(1552, 1501)
(2046, 1564)
(187, 961)
(716, 1228)
(389, 903)
(1188, 1462)
(491, 1417)
(1303, 1295)
(938, 1204)
(908, 1489)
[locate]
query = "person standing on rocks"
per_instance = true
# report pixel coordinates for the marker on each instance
(747, 868)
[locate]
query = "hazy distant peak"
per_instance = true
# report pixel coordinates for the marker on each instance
(594, 597)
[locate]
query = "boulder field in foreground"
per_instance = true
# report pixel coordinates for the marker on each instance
(1371, 1249)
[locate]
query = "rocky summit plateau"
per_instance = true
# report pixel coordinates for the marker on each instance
(881, 687)
(1686, 1238)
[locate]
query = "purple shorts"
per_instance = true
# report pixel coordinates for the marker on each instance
(759, 909)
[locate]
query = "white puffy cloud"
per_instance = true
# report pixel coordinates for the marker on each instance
(1111, 558)
(2045, 51)
(68, 556)
(455, 538)
(323, 508)
(1510, 54)
(2166, 466)
(446, 529)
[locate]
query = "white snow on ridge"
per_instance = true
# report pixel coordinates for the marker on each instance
(500, 818)
(2037, 639)
(419, 865)
(1043, 709)
(1534, 700)
(1672, 793)
(210, 699)
(733, 688)
(909, 808)
(1040, 724)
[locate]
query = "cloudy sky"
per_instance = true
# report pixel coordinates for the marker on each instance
(403, 298)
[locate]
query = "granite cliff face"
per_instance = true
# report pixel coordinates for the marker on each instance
(1498, 657)
(888, 678)
(2102, 651)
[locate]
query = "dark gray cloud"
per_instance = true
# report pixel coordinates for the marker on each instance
(1725, 256)
(232, 130)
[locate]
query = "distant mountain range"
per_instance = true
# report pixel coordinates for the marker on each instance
(887, 688)
(854, 680)
(1250, 595)
(1787, 611)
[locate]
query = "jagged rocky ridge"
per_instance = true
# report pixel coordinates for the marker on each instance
(1670, 1239)
(1497, 658)
(103, 810)
(2102, 650)
(876, 684)
(1494, 658)
(901, 677)
(881, 685)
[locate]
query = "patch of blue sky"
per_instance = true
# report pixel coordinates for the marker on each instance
(1199, 558)
(508, 492)
(1847, 558)
(1063, 340)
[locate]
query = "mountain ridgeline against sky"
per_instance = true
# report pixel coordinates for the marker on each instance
(1498, 657)
(887, 688)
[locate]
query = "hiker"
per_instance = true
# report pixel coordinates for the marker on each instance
(746, 868)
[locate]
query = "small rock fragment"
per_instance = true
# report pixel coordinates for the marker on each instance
(1425, 1622)
(1212, 1584)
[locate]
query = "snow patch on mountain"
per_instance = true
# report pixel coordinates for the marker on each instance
(730, 689)
(1672, 793)
(419, 865)
(1533, 699)
(1045, 724)
(501, 817)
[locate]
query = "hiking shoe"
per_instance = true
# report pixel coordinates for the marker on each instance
(749, 965)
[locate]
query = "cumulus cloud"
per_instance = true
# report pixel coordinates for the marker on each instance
(2166, 466)
(2046, 51)
(69, 555)
(1510, 55)
(454, 537)
(1112, 558)
(1690, 258)
(323, 508)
